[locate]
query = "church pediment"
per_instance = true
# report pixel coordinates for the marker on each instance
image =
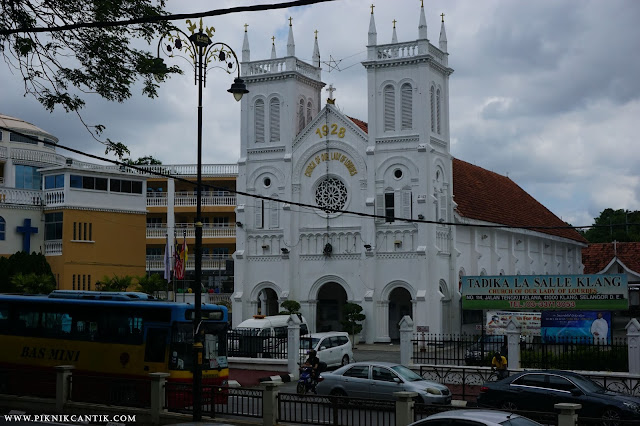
(330, 124)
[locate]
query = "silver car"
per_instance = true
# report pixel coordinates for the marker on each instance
(475, 417)
(379, 380)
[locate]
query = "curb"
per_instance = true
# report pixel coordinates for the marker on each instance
(282, 378)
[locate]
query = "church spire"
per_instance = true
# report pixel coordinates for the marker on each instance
(316, 52)
(394, 37)
(443, 36)
(373, 35)
(273, 47)
(246, 54)
(422, 26)
(291, 46)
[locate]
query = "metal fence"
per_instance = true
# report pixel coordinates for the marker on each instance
(125, 392)
(576, 353)
(334, 410)
(253, 344)
(566, 353)
(23, 382)
(216, 400)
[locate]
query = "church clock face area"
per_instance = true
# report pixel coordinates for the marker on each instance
(331, 194)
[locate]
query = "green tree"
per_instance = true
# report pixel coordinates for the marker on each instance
(151, 284)
(352, 318)
(615, 225)
(33, 283)
(22, 263)
(147, 160)
(114, 283)
(290, 307)
(57, 66)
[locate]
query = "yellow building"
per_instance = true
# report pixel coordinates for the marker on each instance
(93, 220)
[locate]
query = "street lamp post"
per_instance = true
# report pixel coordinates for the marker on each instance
(200, 53)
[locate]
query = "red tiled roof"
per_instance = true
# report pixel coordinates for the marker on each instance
(597, 256)
(364, 126)
(490, 197)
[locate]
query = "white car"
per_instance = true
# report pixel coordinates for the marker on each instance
(333, 348)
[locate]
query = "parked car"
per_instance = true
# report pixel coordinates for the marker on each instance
(333, 348)
(379, 380)
(476, 418)
(540, 390)
(483, 350)
(262, 336)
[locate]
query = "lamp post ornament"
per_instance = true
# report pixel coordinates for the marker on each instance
(200, 52)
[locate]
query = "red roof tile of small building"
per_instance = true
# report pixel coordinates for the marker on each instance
(597, 256)
(490, 197)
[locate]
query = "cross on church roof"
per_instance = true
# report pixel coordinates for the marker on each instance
(27, 230)
(372, 6)
(290, 19)
(331, 89)
(273, 39)
(394, 23)
(245, 27)
(442, 15)
(316, 31)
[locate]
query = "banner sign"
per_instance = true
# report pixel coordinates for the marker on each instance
(540, 292)
(496, 322)
(560, 325)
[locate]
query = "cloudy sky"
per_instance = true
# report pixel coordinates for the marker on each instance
(546, 92)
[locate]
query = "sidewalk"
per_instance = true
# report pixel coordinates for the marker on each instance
(380, 347)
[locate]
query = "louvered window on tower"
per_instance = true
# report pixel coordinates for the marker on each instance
(438, 109)
(259, 209)
(406, 95)
(274, 120)
(393, 204)
(389, 109)
(301, 116)
(273, 213)
(433, 108)
(259, 120)
(309, 116)
(443, 208)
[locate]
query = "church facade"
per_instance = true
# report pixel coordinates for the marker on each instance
(377, 213)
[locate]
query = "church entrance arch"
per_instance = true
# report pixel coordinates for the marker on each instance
(268, 302)
(399, 305)
(331, 299)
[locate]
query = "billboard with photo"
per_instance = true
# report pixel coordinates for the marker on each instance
(496, 322)
(543, 292)
(559, 325)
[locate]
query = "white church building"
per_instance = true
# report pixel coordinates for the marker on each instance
(396, 166)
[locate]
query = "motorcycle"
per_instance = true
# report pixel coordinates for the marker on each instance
(306, 383)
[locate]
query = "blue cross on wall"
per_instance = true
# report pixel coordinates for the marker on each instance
(27, 230)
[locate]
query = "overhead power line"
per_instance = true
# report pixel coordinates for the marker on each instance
(311, 206)
(160, 18)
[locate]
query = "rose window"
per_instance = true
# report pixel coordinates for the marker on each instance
(331, 194)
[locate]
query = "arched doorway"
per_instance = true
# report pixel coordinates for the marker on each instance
(268, 302)
(331, 299)
(399, 306)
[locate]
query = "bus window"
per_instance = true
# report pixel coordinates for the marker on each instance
(156, 345)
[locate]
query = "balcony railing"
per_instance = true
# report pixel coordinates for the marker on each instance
(53, 248)
(208, 231)
(210, 262)
(32, 197)
(189, 199)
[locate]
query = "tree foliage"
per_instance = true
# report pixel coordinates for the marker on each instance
(615, 225)
(33, 283)
(147, 160)
(60, 67)
(290, 307)
(25, 264)
(151, 284)
(114, 283)
(352, 318)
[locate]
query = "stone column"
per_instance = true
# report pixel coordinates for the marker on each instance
(406, 348)
(270, 403)
(157, 395)
(382, 314)
(293, 345)
(404, 407)
(633, 345)
(63, 372)
(513, 344)
(567, 416)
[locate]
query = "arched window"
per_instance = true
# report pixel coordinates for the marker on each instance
(274, 120)
(259, 120)
(3, 225)
(301, 116)
(308, 112)
(433, 108)
(406, 105)
(438, 109)
(389, 109)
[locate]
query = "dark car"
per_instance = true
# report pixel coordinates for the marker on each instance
(467, 417)
(540, 390)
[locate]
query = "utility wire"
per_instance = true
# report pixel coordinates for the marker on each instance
(160, 18)
(293, 203)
